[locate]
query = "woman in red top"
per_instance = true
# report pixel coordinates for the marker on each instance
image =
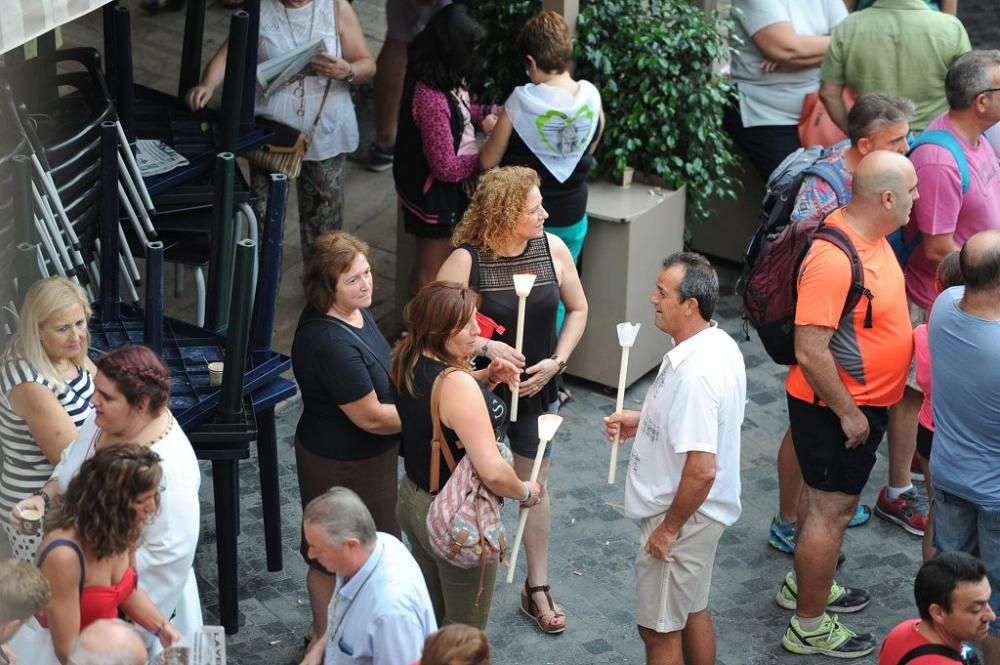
(88, 553)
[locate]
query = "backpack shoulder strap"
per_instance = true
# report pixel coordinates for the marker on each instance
(838, 238)
(834, 176)
(439, 444)
(946, 140)
(930, 650)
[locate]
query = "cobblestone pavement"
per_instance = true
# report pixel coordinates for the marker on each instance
(592, 547)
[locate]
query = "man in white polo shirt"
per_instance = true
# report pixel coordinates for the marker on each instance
(683, 482)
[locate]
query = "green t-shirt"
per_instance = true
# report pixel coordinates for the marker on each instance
(898, 46)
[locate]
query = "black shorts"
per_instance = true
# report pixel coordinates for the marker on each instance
(826, 463)
(925, 441)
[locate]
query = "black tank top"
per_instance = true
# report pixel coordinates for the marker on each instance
(417, 428)
(493, 278)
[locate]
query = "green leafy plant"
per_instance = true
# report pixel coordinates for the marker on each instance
(654, 64)
(500, 68)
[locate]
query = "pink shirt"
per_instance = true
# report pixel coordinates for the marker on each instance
(922, 356)
(942, 208)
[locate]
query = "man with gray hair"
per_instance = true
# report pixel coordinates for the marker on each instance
(380, 613)
(24, 590)
(108, 642)
(683, 482)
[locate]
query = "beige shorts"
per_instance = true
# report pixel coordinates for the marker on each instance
(666, 593)
(918, 315)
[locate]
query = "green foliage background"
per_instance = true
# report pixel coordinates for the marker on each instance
(653, 64)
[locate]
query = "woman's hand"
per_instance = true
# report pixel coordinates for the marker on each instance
(540, 374)
(537, 492)
(33, 502)
(169, 636)
(504, 371)
(333, 67)
(198, 96)
(500, 351)
(489, 122)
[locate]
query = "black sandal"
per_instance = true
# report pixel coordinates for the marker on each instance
(529, 607)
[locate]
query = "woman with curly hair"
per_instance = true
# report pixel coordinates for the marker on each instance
(503, 234)
(437, 158)
(88, 553)
(131, 402)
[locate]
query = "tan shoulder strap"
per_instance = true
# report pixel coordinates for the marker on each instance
(439, 445)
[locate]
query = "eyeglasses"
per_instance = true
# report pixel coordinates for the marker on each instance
(983, 92)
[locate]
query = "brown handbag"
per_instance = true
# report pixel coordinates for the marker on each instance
(288, 146)
(287, 149)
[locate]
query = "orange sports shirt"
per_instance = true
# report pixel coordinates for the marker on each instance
(872, 362)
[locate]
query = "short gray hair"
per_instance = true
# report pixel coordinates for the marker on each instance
(700, 282)
(969, 76)
(873, 111)
(343, 515)
(112, 644)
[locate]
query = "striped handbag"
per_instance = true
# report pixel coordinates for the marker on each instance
(464, 524)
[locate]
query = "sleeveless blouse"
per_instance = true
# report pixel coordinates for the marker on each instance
(493, 277)
(418, 428)
(96, 602)
(25, 467)
(283, 29)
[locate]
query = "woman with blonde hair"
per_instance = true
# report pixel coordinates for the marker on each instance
(46, 383)
(348, 433)
(503, 234)
(441, 339)
(456, 644)
(88, 554)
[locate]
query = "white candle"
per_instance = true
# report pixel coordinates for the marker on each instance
(548, 423)
(627, 333)
(522, 287)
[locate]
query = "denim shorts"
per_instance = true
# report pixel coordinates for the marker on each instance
(963, 526)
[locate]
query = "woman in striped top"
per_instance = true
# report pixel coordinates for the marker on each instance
(45, 388)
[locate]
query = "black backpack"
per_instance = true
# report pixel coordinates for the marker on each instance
(774, 255)
(933, 650)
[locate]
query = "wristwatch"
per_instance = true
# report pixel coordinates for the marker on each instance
(559, 361)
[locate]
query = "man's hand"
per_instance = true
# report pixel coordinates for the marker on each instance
(855, 427)
(316, 653)
(660, 544)
(626, 421)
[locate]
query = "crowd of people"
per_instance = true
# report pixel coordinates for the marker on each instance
(100, 486)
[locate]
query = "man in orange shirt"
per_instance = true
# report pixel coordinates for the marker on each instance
(851, 367)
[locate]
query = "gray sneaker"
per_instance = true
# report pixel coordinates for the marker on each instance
(832, 638)
(841, 599)
(379, 159)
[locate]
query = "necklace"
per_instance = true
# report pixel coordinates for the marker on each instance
(300, 90)
(153, 442)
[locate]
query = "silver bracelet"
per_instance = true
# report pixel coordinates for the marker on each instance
(527, 497)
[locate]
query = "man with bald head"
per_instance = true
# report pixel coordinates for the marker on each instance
(965, 353)
(108, 642)
(851, 367)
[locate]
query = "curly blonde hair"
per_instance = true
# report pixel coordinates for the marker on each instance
(498, 201)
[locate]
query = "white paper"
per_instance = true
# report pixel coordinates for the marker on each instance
(276, 72)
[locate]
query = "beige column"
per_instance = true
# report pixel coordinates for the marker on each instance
(569, 9)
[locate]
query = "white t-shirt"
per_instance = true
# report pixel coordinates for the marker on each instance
(695, 404)
(776, 98)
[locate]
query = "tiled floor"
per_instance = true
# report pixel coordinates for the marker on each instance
(592, 543)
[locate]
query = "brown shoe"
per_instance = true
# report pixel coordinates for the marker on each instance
(545, 618)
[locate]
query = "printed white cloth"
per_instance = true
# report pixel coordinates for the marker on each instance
(554, 124)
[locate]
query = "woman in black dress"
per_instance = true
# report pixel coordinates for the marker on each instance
(503, 234)
(348, 433)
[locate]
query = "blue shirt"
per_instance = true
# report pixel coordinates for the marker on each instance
(965, 355)
(382, 614)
